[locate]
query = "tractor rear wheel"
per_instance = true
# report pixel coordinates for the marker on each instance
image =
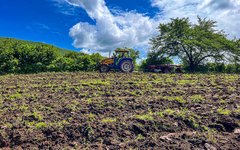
(104, 69)
(127, 66)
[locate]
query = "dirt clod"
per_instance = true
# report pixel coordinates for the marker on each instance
(209, 147)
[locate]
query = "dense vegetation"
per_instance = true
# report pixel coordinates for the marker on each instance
(198, 45)
(17, 56)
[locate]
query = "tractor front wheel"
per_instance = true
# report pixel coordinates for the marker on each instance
(127, 66)
(104, 69)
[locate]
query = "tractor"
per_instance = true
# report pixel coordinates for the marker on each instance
(119, 61)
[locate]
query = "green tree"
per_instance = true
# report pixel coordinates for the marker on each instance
(34, 58)
(17, 56)
(7, 61)
(83, 61)
(194, 44)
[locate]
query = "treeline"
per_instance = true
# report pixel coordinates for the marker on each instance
(217, 68)
(17, 56)
(200, 47)
(155, 58)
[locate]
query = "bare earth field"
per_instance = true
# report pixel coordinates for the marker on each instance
(119, 111)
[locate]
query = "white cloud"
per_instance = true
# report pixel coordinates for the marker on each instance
(64, 8)
(40, 26)
(225, 12)
(125, 29)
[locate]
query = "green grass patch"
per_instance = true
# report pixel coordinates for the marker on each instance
(146, 117)
(37, 116)
(41, 125)
(179, 99)
(109, 120)
(196, 98)
(222, 111)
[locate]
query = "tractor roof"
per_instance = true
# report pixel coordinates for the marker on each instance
(122, 51)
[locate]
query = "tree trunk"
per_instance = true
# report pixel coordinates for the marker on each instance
(192, 67)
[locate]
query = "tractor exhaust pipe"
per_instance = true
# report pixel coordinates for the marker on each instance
(109, 54)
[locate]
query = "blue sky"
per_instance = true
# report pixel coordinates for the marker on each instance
(49, 22)
(103, 25)
(38, 20)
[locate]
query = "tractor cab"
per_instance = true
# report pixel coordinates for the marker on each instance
(119, 61)
(120, 54)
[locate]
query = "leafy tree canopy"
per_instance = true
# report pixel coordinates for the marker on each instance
(194, 44)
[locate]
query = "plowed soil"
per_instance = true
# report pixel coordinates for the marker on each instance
(119, 111)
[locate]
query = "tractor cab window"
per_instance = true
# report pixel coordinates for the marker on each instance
(114, 55)
(118, 55)
(122, 55)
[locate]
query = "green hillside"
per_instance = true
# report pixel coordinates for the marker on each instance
(6, 42)
(19, 56)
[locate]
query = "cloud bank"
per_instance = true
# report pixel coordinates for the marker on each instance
(121, 29)
(133, 29)
(225, 12)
